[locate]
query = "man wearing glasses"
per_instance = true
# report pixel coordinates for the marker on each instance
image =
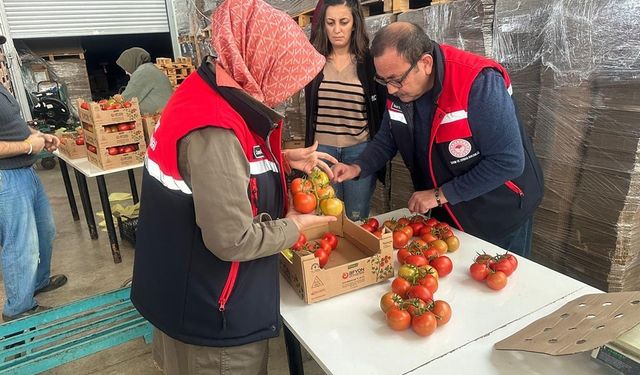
(451, 117)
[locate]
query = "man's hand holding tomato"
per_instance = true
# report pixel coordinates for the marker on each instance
(305, 159)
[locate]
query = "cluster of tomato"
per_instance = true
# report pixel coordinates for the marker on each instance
(122, 127)
(77, 136)
(494, 270)
(372, 225)
(315, 192)
(117, 150)
(114, 102)
(321, 248)
(411, 301)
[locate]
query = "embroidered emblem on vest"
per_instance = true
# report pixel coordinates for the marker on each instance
(459, 148)
(257, 152)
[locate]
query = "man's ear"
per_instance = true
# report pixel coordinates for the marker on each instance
(427, 63)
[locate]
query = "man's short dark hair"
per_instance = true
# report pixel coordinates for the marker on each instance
(410, 42)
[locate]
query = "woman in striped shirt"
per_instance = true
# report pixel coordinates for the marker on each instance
(344, 104)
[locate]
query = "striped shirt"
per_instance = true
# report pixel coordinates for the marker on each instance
(342, 114)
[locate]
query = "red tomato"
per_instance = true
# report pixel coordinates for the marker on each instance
(445, 234)
(424, 324)
(301, 241)
(417, 219)
(428, 237)
(84, 105)
(484, 258)
(479, 271)
(403, 253)
(389, 300)
(442, 312)
(497, 280)
(426, 229)
(378, 233)
(416, 227)
(430, 282)
(129, 149)
(416, 260)
(304, 203)
(397, 319)
(420, 291)
(121, 149)
(322, 245)
(414, 306)
(126, 104)
(123, 127)
(407, 230)
(400, 239)
(503, 265)
(367, 227)
(113, 151)
(79, 141)
(374, 223)
(92, 148)
(513, 260)
(323, 257)
(332, 239)
(300, 185)
(442, 226)
(431, 253)
(443, 265)
(400, 286)
(403, 221)
(391, 224)
(432, 222)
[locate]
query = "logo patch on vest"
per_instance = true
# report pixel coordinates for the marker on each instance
(257, 152)
(459, 148)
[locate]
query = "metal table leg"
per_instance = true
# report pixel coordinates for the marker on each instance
(86, 205)
(134, 189)
(111, 228)
(69, 189)
(294, 353)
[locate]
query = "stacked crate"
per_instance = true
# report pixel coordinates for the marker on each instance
(114, 138)
(176, 71)
(149, 123)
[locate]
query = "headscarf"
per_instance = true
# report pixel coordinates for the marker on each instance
(132, 58)
(263, 50)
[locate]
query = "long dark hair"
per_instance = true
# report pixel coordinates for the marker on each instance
(359, 42)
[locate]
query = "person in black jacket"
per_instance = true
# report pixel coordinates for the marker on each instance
(344, 104)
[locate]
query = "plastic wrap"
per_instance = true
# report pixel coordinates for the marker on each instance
(575, 71)
(464, 24)
(375, 23)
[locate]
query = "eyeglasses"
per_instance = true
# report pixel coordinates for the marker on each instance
(397, 83)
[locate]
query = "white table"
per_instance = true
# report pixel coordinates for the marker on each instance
(83, 168)
(348, 334)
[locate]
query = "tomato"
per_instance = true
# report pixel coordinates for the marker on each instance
(400, 286)
(420, 291)
(432, 222)
(397, 319)
(446, 234)
(442, 312)
(126, 104)
(426, 229)
(331, 206)
(514, 261)
(325, 192)
(430, 282)
(123, 127)
(132, 125)
(424, 324)
(92, 148)
(417, 219)
(484, 258)
(416, 260)
(403, 221)
(322, 245)
(367, 227)
(400, 239)
(304, 203)
(129, 149)
(416, 227)
(319, 178)
(428, 237)
(84, 105)
(503, 265)
(431, 253)
(442, 226)
(121, 149)
(443, 264)
(440, 245)
(113, 151)
(479, 271)
(497, 280)
(408, 272)
(79, 141)
(414, 306)
(428, 270)
(300, 185)
(389, 300)
(301, 241)
(407, 230)
(403, 253)
(378, 233)
(332, 239)
(453, 243)
(374, 223)
(323, 257)
(391, 224)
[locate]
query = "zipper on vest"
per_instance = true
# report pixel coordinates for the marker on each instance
(226, 292)
(516, 189)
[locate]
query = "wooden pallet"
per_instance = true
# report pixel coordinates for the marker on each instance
(375, 7)
(400, 6)
(304, 18)
(54, 56)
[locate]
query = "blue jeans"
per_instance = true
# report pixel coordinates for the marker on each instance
(356, 194)
(519, 241)
(27, 231)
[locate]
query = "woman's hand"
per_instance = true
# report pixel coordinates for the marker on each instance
(305, 159)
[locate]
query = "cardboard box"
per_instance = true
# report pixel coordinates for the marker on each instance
(68, 146)
(99, 135)
(103, 160)
(98, 117)
(149, 126)
(361, 259)
(293, 143)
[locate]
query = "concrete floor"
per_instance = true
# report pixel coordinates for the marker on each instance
(90, 268)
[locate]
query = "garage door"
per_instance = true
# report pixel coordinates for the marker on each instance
(57, 18)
